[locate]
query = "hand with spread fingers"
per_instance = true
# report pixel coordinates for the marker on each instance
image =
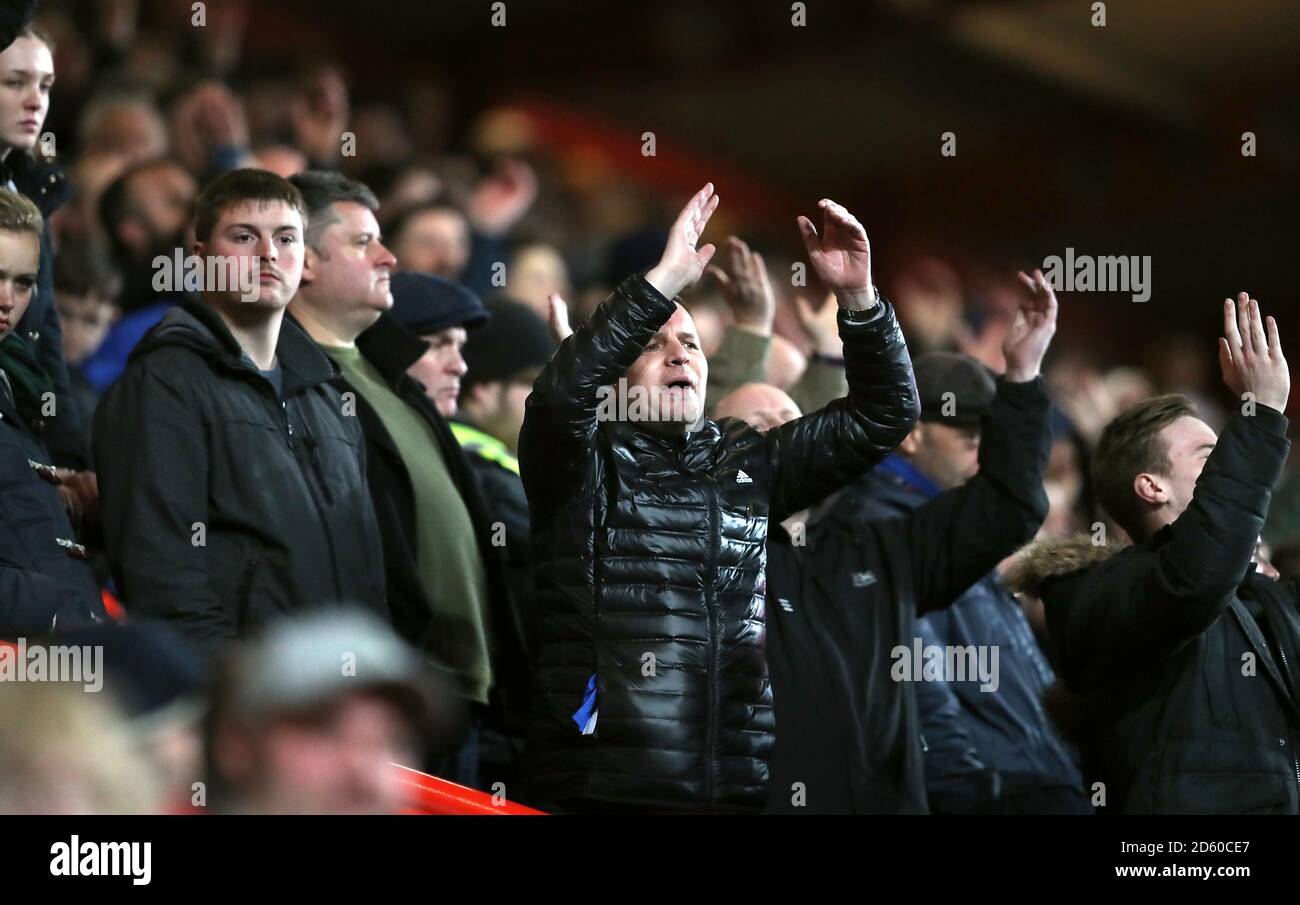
(1251, 359)
(746, 286)
(1031, 332)
(682, 263)
(841, 255)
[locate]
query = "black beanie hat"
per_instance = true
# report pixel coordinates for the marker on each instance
(425, 304)
(515, 339)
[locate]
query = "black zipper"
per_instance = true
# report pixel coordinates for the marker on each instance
(715, 528)
(315, 502)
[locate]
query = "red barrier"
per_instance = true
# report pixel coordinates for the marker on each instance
(431, 795)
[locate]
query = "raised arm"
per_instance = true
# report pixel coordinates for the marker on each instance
(1146, 607)
(961, 534)
(821, 452)
(561, 414)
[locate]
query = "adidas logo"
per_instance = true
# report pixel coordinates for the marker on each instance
(863, 579)
(742, 478)
(785, 604)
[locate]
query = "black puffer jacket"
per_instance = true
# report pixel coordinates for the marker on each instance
(1180, 662)
(40, 578)
(649, 557)
(193, 435)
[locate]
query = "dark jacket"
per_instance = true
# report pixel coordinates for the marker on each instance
(391, 349)
(649, 557)
(41, 578)
(985, 750)
(844, 608)
(1179, 661)
(496, 470)
(225, 507)
(47, 187)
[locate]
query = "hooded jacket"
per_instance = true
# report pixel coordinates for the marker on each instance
(1178, 661)
(649, 554)
(224, 506)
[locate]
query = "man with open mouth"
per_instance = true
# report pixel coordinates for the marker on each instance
(650, 524)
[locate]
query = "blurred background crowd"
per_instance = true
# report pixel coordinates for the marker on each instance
(548, 153)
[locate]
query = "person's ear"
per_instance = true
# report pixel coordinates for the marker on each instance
(310, 261)
(912, 442)
(1151, 488)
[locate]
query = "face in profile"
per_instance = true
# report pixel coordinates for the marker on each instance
(26, 76)
(262, 242)
(351, 275)
(671, 375)
(946, 454)
(1188, 444)
(20, 260)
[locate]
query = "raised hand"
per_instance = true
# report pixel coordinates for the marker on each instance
(502, 198)
(682, 263)
(745, 284)
(1031, 332)
(822, 325)
(1251, 361)
(557, 318)
(841, 255)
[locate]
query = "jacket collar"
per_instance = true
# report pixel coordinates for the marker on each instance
(693, 450)
(196, 324)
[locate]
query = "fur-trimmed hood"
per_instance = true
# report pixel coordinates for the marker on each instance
(1047, 559)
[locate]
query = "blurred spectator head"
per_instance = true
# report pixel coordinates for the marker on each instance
(1147, 462)
(503, 358)
(281, 159)
(146, 210)
(346, 277)
(760, 405)
(20, 256)
(432, 238)
(537, 270)
(85, 285)
(440, 312)
(74, 753)
(785, 363)
(157, 679)
(955, 392)
(928, 295)
(308, 718)
(26, 76)
(123, 122)
(256, 221)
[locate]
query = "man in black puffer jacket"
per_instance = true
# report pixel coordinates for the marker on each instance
(649, 532)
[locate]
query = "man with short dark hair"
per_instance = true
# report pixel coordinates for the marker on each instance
(446, 588)
(233, 486)
(1181, 661)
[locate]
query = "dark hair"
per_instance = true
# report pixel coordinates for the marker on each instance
(1129, 446)
(321, 190)
(115, 204)
(83, 267)
(237, 187)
